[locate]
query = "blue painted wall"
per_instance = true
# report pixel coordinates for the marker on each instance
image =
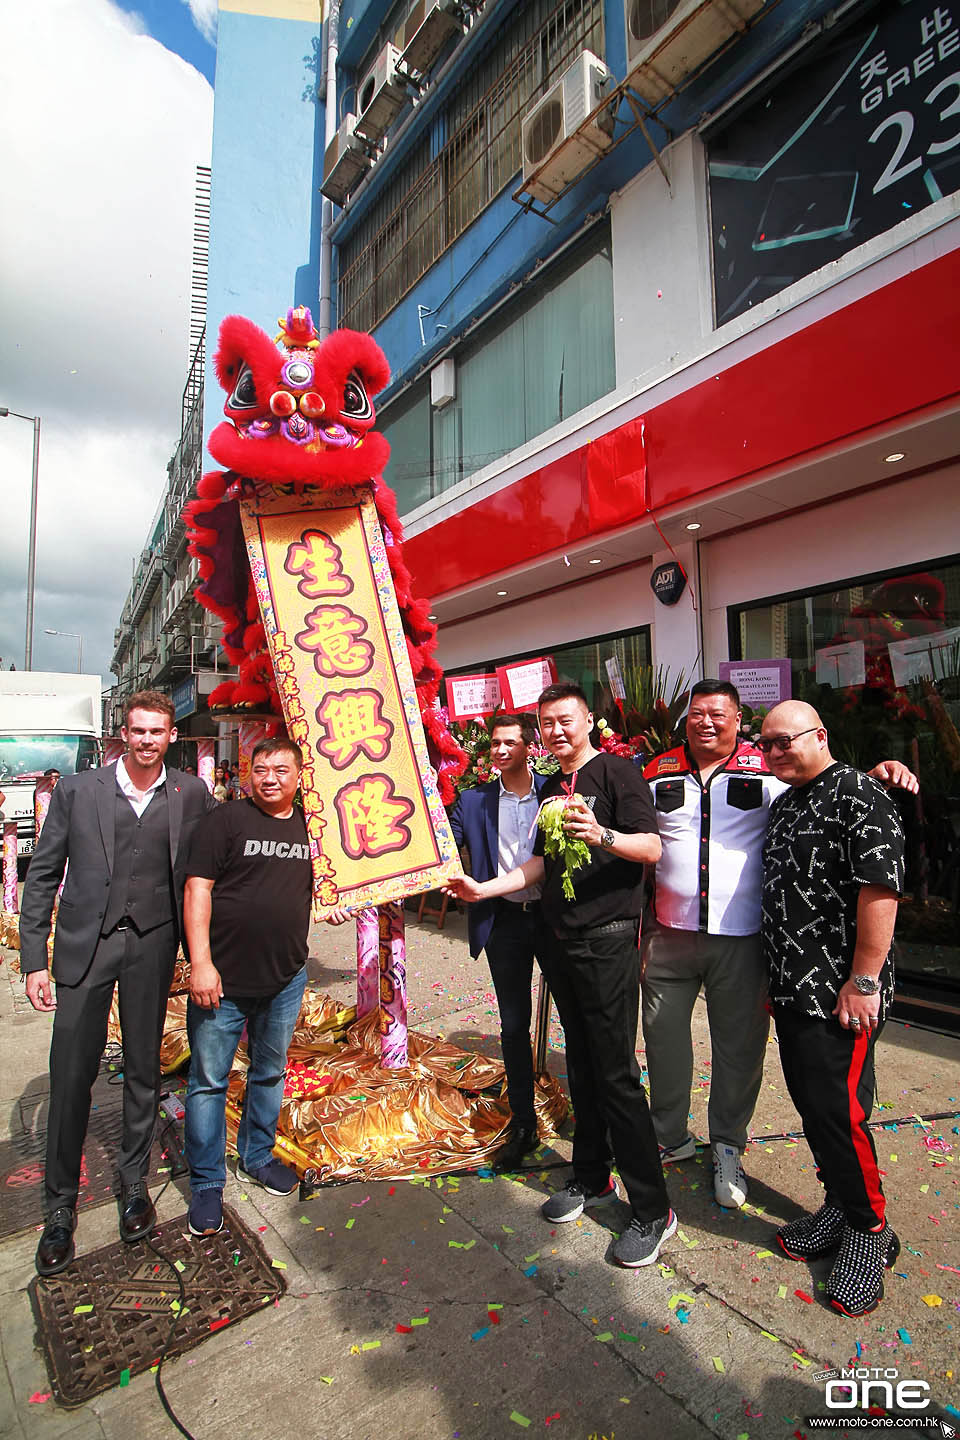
(504, 245)
(267, 166)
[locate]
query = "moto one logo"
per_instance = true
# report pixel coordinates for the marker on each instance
(859, 1388)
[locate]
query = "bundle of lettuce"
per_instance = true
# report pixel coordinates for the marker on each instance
(558, 844)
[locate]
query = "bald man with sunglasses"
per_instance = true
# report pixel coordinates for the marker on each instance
(832, 874)
(713, 797)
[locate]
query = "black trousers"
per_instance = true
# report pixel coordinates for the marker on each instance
(517, 936)
(595, 981)
(830, 1076)
(141, 966)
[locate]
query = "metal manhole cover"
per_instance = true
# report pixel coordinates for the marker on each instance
(21, 1168)
(109, 1315)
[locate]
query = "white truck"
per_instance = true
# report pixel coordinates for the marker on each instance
(48, 721)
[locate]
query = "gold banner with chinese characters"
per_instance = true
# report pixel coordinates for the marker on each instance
(377, 828)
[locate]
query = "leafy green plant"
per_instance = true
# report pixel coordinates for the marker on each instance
(652, 707)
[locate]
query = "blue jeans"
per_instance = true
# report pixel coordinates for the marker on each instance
(214, 1036)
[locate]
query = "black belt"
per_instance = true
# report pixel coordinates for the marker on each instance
(524, 906)
(125, 923)
(612, 927)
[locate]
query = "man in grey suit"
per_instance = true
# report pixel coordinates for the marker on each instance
(125, 831)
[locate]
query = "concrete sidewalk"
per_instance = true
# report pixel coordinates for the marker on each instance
(529, 1327)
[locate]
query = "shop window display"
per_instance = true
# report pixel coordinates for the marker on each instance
(879, 657)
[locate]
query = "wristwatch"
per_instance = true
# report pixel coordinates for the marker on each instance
(866, 984)
(607, 838)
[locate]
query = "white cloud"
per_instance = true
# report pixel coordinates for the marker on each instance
(204, 13)
(104, 129)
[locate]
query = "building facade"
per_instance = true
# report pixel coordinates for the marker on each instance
(669, 291)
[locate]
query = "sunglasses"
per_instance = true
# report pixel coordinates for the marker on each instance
(782, 742)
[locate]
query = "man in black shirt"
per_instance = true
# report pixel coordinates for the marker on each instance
(832, 871)
(594, 971)
(247, 913)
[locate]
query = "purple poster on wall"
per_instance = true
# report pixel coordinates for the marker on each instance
(759, 682)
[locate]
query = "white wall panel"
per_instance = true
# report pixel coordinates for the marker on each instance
(661, 264)
(610, 604)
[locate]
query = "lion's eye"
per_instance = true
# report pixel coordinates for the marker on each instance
(356, 402)
(244, 395)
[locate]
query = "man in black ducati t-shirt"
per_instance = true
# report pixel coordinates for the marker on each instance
(593, 971)
(246, 915)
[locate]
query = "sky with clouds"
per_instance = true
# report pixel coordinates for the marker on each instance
(106, 110)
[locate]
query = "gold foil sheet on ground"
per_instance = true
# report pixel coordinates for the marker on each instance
(10, 933)
(345, 1118)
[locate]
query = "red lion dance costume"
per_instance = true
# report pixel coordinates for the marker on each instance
(299, 413)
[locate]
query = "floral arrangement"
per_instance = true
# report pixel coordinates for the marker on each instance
(474, 736)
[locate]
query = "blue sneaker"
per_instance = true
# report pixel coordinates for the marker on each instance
(274, 1177)
(206, 1212)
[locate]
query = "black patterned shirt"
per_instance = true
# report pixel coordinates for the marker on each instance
(826, 840)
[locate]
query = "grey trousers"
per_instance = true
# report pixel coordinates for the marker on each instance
(676, 963)
(141, 966)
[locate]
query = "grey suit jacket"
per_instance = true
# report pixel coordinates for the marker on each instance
(80, 827)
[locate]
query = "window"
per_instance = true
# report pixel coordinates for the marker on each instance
(854, 138)
(406, 425)
(540, 361)
(472, 153)
(879, 658)
(584, 664)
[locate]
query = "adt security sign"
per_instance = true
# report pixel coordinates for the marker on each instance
(667, 582)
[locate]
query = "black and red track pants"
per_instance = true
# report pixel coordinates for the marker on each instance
(830, 1076)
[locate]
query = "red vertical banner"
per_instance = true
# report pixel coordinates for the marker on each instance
(251, 732)
(205, 762)
(113, 748)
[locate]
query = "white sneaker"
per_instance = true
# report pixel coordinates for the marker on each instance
(686, 1150)
(729, 1181)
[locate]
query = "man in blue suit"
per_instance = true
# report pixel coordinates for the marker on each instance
(496, 823)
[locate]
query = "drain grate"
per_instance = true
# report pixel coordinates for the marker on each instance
(109, 1315)
(21, 1168)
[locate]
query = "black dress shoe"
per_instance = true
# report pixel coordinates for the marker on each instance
(520, 1142)
(137, 1215)
(56, 1248)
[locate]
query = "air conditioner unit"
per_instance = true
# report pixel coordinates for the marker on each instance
(429, 26)
(381, 94)
(668, 39)
(557, 146)
(344, 163)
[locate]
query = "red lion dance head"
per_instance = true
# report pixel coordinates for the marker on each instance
(299, 411)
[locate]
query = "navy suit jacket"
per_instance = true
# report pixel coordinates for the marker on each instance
(80, 827)
(474, 820)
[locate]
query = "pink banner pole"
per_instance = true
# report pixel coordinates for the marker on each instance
(205, 762)
(113, 748)
(368, 961)
(41, 801)
(11, 900)
(250, 733)
(393, 987)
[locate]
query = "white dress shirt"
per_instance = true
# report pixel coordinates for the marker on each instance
(132, 793)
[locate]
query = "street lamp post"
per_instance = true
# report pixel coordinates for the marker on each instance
(32, 550)
(71, 635)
